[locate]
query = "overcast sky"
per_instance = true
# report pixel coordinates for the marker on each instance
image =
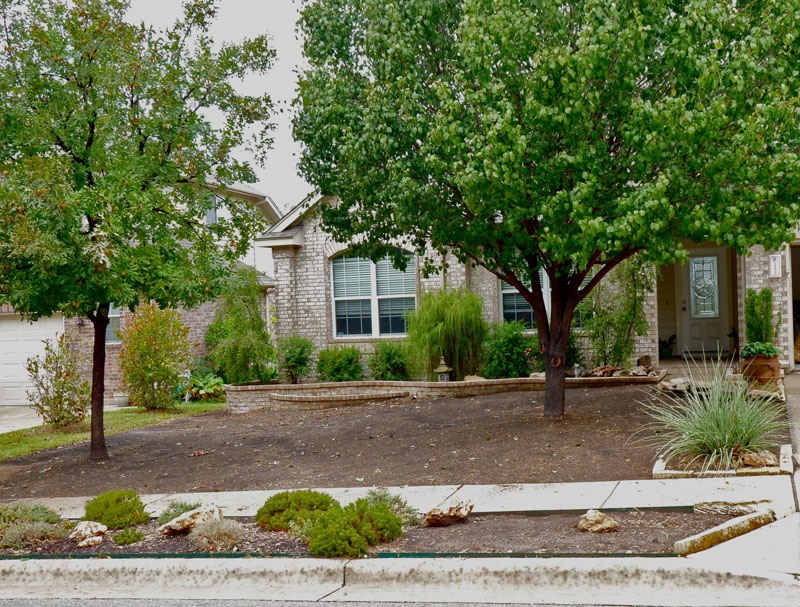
(238, 19)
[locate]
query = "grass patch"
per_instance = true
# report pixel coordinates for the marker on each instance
(22, 442)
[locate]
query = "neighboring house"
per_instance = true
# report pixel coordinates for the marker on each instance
(334, 298)
(20, 340)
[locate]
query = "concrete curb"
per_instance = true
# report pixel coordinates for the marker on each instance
(724, 532)
(656, 581)
(295, 579)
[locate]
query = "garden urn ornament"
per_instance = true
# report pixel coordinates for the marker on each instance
(443, 371)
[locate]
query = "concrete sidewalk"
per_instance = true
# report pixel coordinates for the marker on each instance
(22, 417)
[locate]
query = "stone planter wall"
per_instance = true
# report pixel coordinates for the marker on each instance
(242, 399)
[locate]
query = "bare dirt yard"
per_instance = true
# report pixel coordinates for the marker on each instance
(502, 438)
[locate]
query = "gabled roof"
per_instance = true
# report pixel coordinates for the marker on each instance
(265, 205)
(293, 217)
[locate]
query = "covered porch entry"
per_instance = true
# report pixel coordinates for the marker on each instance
(697, 311)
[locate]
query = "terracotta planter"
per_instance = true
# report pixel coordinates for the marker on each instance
(761, 369)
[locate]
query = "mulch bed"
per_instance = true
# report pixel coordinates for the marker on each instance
(500, 438)
(640, 532)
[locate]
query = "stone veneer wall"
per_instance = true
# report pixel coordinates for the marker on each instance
(752, 272)
(303, 300)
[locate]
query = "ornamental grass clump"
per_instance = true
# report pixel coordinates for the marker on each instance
(117, 509)
(715, 422)
(217, 534)
(22, 524)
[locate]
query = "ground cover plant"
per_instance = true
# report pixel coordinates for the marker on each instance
(31, 440)
(340, 363)
(351, 530)
(60, 393)
(117, 509)
(23, 524)
(129, 535)
(396, 504)
(155, 353)
(713, 424)
(292, 506)
(295, 356)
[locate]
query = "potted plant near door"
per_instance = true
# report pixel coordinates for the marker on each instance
(760, 354)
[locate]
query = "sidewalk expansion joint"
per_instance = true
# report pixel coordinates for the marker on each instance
(335, 590)
(444, 501)
(608, 497)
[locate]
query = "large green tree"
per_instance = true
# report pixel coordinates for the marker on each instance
(568, 136)
(111, 161)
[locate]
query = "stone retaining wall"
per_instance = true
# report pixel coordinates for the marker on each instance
(242, 399)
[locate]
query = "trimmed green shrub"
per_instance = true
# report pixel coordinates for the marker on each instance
(155, 351)
(27, 513)
(396, 504)
(448, 324)
(349, 531)
(340, 364)
(389, 361)
(22, 534)
(60, 393)
(129, 535)
(175, 509)
(295, 356)
(298, 506)
(217, 534)
(758, 322)
(238, 340)
(117, 509)
(713, 425)
(507, 351)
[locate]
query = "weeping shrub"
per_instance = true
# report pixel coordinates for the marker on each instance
(448, 324)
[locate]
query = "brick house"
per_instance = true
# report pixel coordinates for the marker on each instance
(332, 298)
(20, 340)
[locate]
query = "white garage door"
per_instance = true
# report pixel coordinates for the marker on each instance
(18, 341)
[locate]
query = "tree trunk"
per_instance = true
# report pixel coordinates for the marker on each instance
(555, 369)
(97, 449)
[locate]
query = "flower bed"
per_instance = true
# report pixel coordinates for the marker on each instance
(339, 394)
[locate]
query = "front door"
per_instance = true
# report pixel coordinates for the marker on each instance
(703, 324)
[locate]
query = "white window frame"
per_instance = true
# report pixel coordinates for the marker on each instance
(113, 313)
(374, 302)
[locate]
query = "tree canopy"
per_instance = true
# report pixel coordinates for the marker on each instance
(111, 160)
(525, 134)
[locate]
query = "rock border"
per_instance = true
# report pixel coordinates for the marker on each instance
(244, 398)
(660, 471)
(724, 532)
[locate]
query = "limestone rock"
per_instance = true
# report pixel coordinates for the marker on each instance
(537, 375)
(88, 529)
(473, 378)
(676, 384)
(759, 459)
(605, 371)
(188, 520)
(732, 508)
(597, 522)
(95, 540)
(639, 371)
(455, 514)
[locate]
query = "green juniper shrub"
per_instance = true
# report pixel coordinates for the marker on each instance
(60, 393)
(295, 356)
(25, 512)
(24, 533)
(298, 506)
(396, 504)
(238, 340)
(349, 531)
(175, 509)
(507, 351)
(389, 362)
(129, 535)
(340, 364)
(217, 535)
(117, 509)
(449, 324)
(155, 352)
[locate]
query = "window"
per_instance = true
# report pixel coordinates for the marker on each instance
(516, 308)
(211, 214)
(113, 325)
(704, 299)
(372, 299)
